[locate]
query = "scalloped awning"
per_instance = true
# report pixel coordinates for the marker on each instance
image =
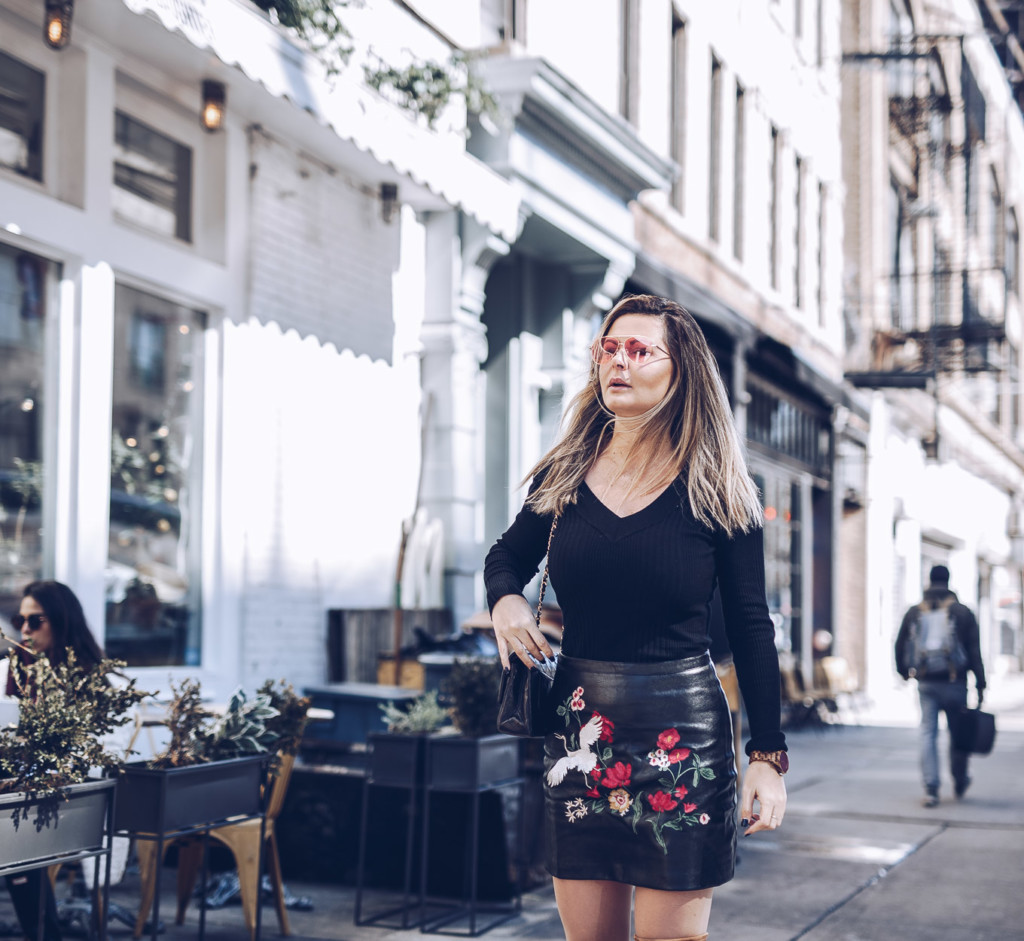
(242, 37)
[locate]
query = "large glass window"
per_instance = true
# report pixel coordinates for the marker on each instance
(22, 90)
(153, 615)
(23, 318)
(152, 179)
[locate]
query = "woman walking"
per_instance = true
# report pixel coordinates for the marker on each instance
(644, 506)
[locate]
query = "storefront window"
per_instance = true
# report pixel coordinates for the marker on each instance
(153, 615)
(22, 90)
(152, 179)
(23, 279)
(782, 555)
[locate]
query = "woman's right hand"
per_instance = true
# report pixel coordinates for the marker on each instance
(515, 629)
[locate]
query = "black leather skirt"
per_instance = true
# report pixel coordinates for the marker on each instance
(640, 775)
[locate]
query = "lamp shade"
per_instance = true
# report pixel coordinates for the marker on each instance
(57, 24)
(214, 104)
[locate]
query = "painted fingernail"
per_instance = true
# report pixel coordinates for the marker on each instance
(744, 823)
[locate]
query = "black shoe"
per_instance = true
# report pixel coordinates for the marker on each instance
(961, 788)
(931, 799)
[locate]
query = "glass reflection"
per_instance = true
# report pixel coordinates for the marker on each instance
(153, 615)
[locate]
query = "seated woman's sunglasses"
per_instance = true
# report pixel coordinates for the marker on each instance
(33, 621)
(638, 350)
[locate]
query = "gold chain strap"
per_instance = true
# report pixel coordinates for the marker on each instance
(544, 580)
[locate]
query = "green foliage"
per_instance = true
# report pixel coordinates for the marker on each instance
(64, 712)
(426, 87)
(289, 724)
(472, 688)
(241, 730)
(316, 23)
(423, 714)
(187, 720)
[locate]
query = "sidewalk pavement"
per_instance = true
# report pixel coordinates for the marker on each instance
(858, 858)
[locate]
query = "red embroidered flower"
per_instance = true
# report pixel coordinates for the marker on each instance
(607, 727)
(593, 792)
(678, 754)
(667, 740)
(680, 791)
(660, 801)
(689, 808)
(618, 775)
(596, 775)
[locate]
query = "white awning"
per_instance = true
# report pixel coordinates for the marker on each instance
(241, 36)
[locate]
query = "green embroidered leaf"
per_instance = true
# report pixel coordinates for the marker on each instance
(606, 755)
(638, 811)
(707, 773)
(658, 836)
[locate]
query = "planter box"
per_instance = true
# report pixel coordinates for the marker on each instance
(162, 800)
(79, 826)
(397, 759)
(456, 763)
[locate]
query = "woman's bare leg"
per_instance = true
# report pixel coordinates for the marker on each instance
(663, 915)
(593, 910)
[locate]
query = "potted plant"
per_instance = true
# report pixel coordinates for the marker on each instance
(397, 756)
(46, 760)
(477, 756)
(212, 768)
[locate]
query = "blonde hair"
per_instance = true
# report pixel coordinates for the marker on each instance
(691, 431)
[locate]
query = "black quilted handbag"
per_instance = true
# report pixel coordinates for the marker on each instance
(523, 707)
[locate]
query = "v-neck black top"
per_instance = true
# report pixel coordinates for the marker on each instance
(638, 589)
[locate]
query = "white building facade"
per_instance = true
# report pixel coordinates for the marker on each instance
(934, 138)
(210, 361)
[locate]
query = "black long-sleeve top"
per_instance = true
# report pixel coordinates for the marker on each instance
(638, 589)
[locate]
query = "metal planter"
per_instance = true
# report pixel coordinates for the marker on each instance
(163, 800)
(457, 763)
(78, 827)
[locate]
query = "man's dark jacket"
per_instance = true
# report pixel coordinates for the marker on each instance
(966, 630)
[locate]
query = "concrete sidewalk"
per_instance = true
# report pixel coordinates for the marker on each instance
(858, 858)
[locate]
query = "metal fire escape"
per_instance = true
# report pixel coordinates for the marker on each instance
(948, 317)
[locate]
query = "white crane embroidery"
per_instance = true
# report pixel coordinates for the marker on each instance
(582, 759)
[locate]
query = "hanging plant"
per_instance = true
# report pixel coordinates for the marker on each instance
(426, 88)
(317, 24)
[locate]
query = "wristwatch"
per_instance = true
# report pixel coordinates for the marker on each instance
(779, 760)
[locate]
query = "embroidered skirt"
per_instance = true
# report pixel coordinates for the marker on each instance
(640, 775)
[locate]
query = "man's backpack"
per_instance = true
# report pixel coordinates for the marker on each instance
(935, 651)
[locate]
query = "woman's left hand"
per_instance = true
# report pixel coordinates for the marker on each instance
(763, 784)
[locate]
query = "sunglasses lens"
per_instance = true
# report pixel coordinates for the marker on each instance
(638, 349)
(33, 621)
(605, 349)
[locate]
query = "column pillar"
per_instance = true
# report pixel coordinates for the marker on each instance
(459, 256)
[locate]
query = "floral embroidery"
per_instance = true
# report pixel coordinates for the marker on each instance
(619, 801)
(575, 809)
(608, 781)
(668, 739)
(659, 800)
(659, 759)
(607, 727)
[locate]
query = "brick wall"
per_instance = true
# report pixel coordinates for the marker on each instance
(321, 258)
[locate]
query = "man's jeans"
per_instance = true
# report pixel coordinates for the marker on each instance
(936, 695)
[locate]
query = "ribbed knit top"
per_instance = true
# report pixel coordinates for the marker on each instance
(638, 589)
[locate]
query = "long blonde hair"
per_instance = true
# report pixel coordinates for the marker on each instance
(691, 431)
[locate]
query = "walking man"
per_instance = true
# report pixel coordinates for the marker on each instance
(938, 645)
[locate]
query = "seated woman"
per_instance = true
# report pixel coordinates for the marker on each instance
(51, 621)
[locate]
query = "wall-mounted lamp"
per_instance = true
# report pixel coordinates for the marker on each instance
(57, 25)
(215, 98)
(388, 201)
